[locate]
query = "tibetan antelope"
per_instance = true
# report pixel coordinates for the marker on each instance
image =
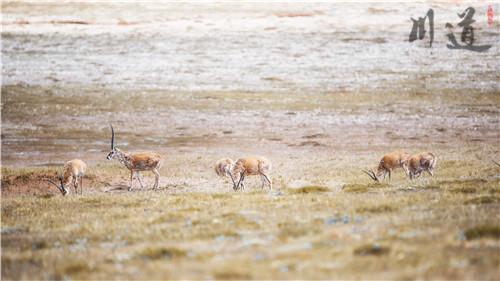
(73, 171)
(417, 163)
(223, 167)
(251, 166)
(388, 163)
(136, 161)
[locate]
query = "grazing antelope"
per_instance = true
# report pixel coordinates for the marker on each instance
(136, 161)
(251, 166)
(388, 163)
(73, 171)
(223, 167)
(417, 163)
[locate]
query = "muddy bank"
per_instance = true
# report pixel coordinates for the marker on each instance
(43, 126)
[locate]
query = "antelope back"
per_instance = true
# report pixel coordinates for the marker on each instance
(76, 167)
(145, 161)
(394, 160)
(414, 162)
(253, 165)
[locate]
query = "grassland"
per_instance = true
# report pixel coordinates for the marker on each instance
(324, 219)
(430, 228)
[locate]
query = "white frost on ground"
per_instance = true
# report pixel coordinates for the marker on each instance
(243, 46)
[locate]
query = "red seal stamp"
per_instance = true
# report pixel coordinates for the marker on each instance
(489, 13)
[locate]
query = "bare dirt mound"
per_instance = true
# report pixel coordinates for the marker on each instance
(34, 182)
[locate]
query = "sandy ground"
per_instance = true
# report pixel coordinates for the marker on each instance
(322, 90)
(298, 133)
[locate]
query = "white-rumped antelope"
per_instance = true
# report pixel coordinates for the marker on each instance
(417, 163)
(73, 171)
(388, 163)
(136, 161)
(251, 166)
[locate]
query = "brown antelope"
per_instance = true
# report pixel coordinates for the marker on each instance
(73, 171)
(417, 163)
(388, 163)
(223, 167)
(136, 161)
(251, 166)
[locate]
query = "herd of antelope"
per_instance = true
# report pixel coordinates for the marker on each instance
(413, 165)
(136, 162)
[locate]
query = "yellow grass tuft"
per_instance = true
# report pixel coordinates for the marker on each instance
(308, 189)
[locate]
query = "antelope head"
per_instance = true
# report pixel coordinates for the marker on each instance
(112, 153)
(61, 187)
(371, 174)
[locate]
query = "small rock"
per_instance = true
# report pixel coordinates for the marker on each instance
(276, 193)
(345, 219)
(331, 221)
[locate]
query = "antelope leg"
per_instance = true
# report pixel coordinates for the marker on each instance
(242, 177)
(157, 178)
(268, 181)
(140, 181)
(75, 185)
(131, 180)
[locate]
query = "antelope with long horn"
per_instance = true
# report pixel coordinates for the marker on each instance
(251, 166)
(73, 171)
(136, 162)
(388, 163)
(417, 163)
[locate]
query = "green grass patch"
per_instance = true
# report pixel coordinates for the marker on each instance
(308, 189)
(75, 268)
(232, 275)
(486, 199)
(292, 230)
(482, 231)
(371, 250)
(384, 208)
(155, 253)
(464, 189)
(46, 196)
(362, 188)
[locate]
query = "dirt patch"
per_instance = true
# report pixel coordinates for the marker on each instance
(33, 181)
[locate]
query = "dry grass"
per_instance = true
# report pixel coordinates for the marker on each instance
(311, 232)
(324, 220)
(309, 189)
